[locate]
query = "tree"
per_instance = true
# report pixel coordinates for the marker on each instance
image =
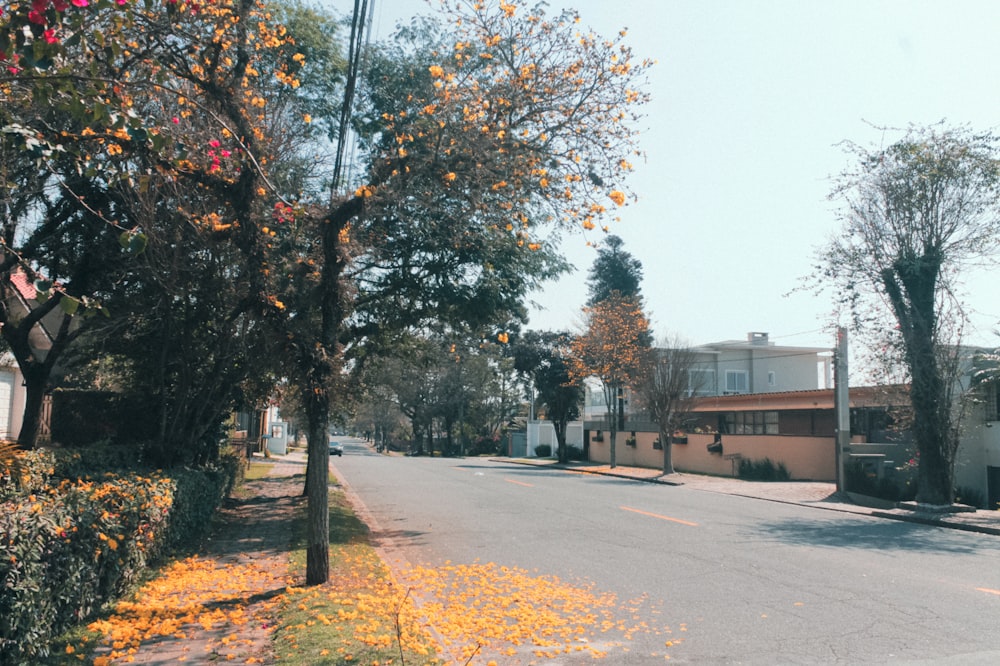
(544, 357)
(612, 349)
(476, 135)
(665, 390)
(614, 270)
(914, 214)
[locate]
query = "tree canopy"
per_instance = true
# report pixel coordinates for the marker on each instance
(612, 348)
(614, 270)
(914, 214)
(481, 134)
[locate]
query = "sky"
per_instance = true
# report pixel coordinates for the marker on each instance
(751, 103)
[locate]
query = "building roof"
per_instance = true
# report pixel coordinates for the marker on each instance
(23, 285)
(860, 396)
(757, 341)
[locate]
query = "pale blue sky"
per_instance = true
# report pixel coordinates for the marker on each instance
(750, 99)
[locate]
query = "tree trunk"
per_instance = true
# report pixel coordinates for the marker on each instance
(911, 291)
(560, 428)
(35, 380)
(668, 452)
(317, 489)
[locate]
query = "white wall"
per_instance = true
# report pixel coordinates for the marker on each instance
(544, 433)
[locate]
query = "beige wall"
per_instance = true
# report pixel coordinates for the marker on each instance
(806, 458)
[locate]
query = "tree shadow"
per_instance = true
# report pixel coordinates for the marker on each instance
(401, 537)
(874, 534)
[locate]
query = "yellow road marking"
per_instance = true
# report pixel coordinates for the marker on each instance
(520, 483)
(656, 515)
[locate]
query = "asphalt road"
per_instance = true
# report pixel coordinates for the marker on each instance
(738, 580)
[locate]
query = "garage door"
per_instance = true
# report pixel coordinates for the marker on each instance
(6, 392)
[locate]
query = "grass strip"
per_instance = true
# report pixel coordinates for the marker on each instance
(360, 616)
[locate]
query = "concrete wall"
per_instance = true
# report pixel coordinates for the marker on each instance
(543, 432)
(12, 398)
(978, 450)
(806, 458)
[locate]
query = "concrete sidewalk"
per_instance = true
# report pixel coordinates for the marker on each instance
(818, 495)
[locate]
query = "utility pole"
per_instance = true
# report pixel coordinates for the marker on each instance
(841, 405)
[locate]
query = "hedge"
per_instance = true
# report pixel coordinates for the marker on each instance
(69, 548)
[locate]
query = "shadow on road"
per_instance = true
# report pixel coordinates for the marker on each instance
(874, 535)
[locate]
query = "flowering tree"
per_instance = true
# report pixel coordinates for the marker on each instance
(914, 213)
(477, 134)
(612, 349)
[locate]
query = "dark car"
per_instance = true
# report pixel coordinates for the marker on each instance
(336, 449)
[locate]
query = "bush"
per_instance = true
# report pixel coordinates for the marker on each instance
(970, 496)
(543, 450)
(30, 473)
(858, 479)
(68, 549)
(763, 470)
(574, 453)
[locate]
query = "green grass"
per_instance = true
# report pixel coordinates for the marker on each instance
(311, 629)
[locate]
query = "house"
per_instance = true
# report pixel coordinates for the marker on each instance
(12, 395)
(977, 461)
(733, 367)
(757, 365)
(793, 428)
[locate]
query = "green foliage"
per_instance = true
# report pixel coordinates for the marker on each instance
(81, 418)
(574, 453)
(859, 479)
(614, 270)
(25, 472)
(73, 546)
(915, 213)
(763, 470)
(543, 450)
(971, 497)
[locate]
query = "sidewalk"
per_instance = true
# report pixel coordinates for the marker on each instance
(817, 495)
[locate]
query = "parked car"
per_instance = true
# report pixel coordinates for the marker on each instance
(336, 449)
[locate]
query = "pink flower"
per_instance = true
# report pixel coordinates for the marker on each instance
(214, 143)
(175, 120)
(79, 3)
(36, 17)
(50, 37)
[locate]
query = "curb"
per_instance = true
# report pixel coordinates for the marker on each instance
(936, 522)
(920, 519)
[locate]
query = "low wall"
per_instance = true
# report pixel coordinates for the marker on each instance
(805, 458)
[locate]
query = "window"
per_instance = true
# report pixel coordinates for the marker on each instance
(749, 423)
(771, 378)
(701, 382)
(597, 398)
(736, 381)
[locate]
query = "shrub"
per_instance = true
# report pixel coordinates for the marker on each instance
(763, 470)
(970, 496)
(574, 452)
(859, 479)
(543, 450)
(28, 472)
(71, 547)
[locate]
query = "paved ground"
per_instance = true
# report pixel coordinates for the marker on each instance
(247, 536)
(250, 541)
(818, 495)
